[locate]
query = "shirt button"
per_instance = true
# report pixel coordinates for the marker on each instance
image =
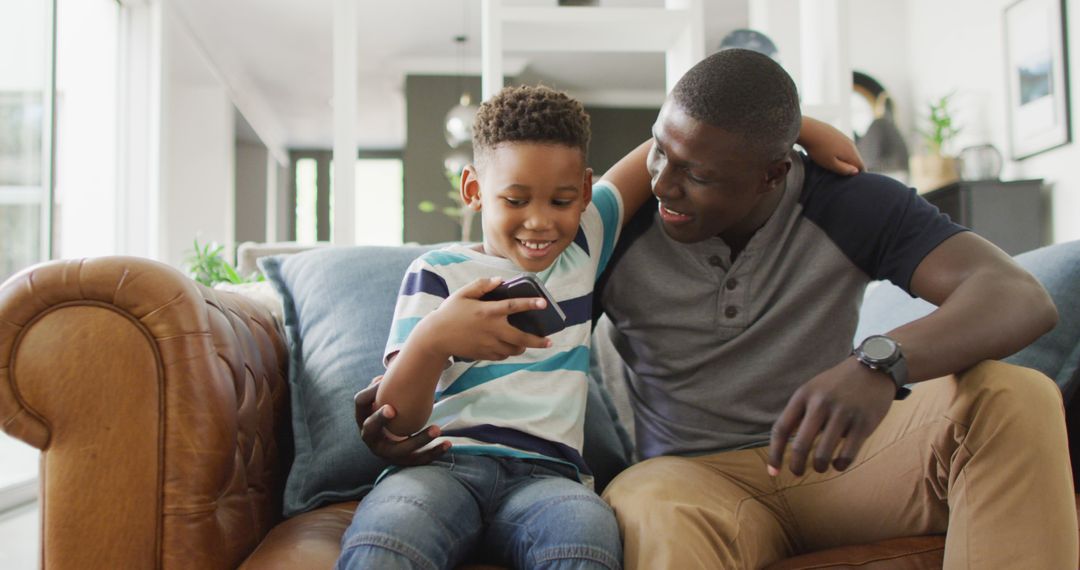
(731, 311)
(731, 284)
(716, 261)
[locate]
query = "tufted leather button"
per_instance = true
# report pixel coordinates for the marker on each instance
(731, 311)
(716, 261)
(731, 284)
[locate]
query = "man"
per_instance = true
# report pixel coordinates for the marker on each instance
(736, 300)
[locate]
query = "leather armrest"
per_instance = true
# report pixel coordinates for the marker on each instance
(160, 407)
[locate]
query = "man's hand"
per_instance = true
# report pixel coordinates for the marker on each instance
(401, 452)
(478, 330)
(838, 408)
(830, 148)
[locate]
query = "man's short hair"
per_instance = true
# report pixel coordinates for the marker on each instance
(747, 94)
(535, 114)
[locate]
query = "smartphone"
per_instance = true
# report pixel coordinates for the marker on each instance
(540, 322)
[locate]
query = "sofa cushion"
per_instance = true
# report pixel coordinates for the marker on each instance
(1056, 354)
(338, 304)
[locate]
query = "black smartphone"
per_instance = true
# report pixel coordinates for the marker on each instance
(540, 322)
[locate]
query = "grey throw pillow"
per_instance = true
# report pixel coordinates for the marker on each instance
(338, 305)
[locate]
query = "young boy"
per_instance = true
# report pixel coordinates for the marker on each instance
(511, 489)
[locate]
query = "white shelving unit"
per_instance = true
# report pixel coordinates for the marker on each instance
(676, 30)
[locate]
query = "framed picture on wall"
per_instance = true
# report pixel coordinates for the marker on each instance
(1038, 80)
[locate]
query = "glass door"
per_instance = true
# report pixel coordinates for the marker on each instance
(26, 101)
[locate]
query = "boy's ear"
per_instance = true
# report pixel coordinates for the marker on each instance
(586, 190)
(776, 173)
(470, 187)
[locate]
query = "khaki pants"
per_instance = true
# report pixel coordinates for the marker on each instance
(984, 457)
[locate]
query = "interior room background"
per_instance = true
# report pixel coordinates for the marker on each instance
(138, 127)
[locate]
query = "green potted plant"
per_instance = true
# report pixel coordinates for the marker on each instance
(935, 167)
(207, 266)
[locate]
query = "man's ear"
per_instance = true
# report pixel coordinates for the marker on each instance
(776, 173)
(470, 187)
(586, 190)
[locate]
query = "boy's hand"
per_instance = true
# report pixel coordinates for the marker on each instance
(830, 148)
(372, 424)
(467, 327)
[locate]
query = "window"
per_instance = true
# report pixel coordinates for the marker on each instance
(307, 195)
(25, 94)
(25, 97)
(379, 214)
(379, 201)
(71, 213)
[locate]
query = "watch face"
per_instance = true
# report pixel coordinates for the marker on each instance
(878, 348)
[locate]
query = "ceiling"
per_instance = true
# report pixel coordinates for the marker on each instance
(276, 56)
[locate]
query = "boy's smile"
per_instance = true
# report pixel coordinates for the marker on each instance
(531, 196)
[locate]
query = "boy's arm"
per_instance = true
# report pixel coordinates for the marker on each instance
(631, 178)
(829, 147)
(463, 326)
(824, 144)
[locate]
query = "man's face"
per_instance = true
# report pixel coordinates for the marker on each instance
(706, 180)
(531, 197)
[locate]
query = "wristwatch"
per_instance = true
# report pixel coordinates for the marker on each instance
(881, 353)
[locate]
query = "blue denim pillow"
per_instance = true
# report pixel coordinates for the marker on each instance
(1056, 354)
(338, 306)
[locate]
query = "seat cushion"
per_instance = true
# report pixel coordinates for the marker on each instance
(338, 304)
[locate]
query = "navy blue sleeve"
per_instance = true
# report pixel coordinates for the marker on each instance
(884, 227)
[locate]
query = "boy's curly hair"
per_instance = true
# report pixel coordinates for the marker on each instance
(535, 114)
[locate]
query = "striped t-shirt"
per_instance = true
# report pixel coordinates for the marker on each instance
(531, 405)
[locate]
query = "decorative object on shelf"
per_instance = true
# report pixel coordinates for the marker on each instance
(864, 95)
(935, 167)
(878, 139)
(751, 40)
(1037, 70)
(980, 162)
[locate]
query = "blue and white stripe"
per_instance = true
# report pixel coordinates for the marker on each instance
(527, 405)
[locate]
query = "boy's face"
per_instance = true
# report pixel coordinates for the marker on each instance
(531, 197)
(706, 180)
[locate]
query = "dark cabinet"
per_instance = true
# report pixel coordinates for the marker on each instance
(1009, 214)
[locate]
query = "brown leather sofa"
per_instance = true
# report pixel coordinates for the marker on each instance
(162, 411)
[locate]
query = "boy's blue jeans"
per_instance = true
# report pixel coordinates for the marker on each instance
(501, 510)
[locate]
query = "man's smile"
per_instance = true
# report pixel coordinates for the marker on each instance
(673, 216)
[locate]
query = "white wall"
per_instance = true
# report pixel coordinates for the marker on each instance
(879, 47)
(251, 191)
(86, 124)
(197, 150)
(958, 46)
